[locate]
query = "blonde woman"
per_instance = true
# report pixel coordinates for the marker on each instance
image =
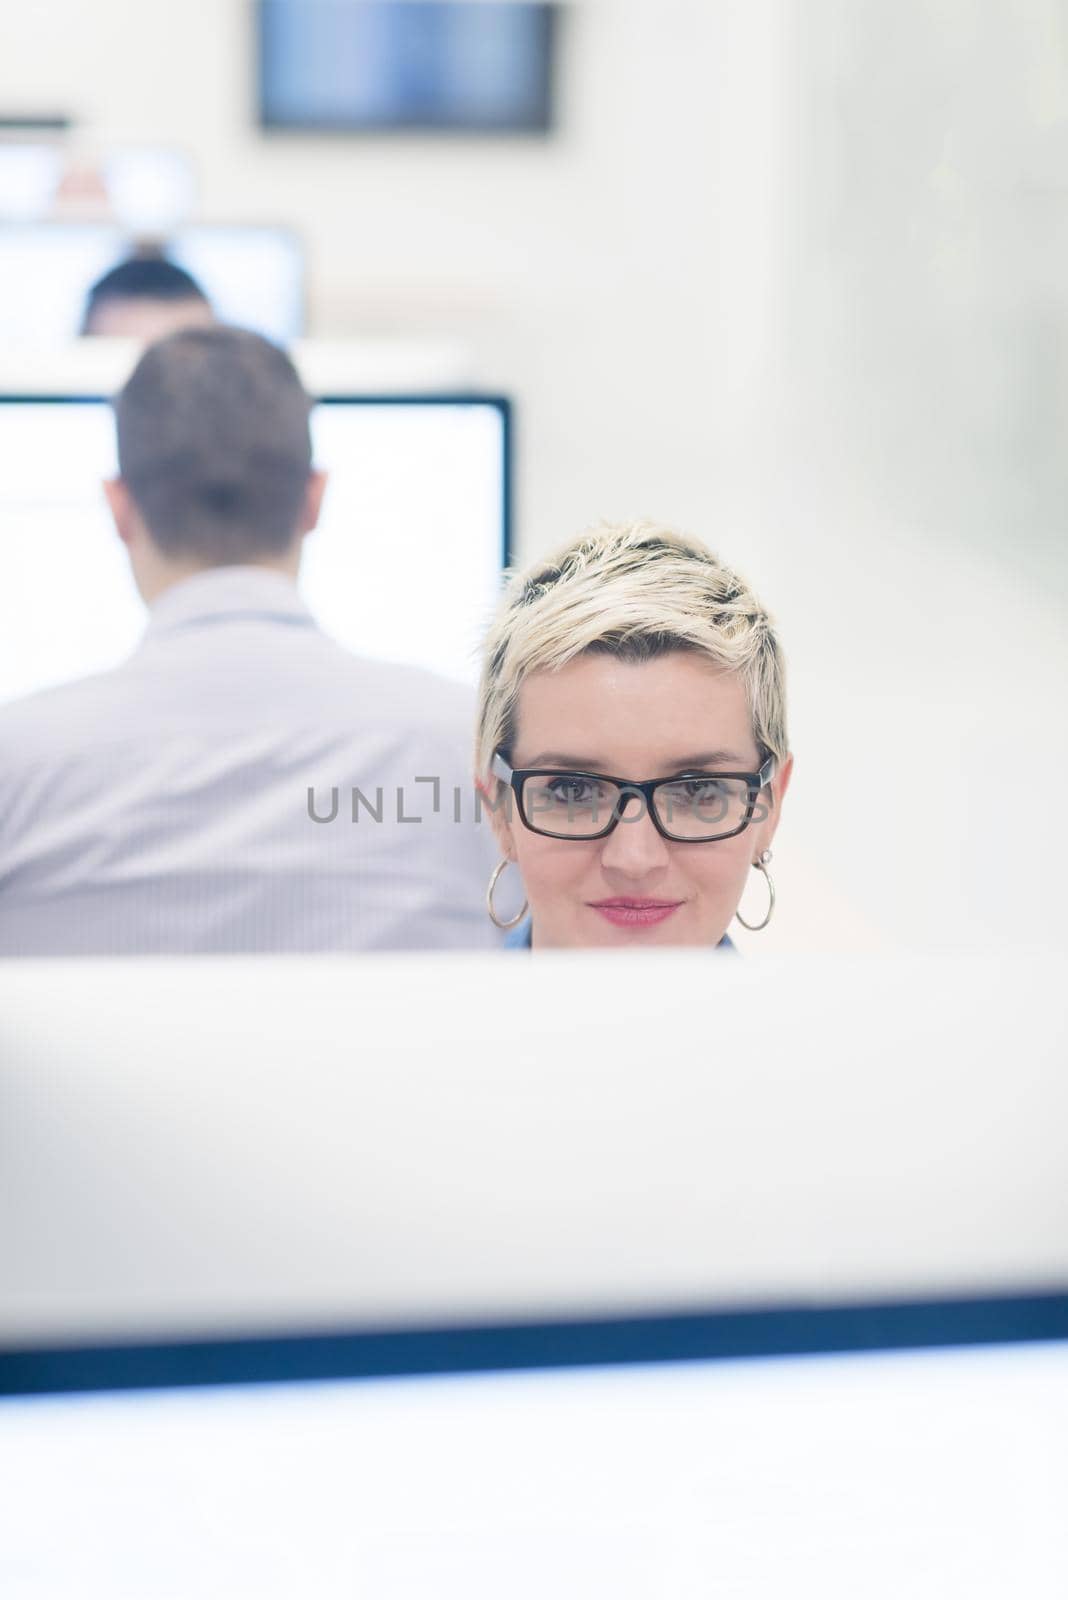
(631, 746)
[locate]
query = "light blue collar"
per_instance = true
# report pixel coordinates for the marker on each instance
(520, 938)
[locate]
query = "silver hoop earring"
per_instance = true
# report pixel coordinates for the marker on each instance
(494, 918)
(761, 864)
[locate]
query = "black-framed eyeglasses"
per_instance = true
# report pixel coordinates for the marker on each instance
(689, 808)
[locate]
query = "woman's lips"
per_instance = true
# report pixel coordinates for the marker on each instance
(635, 913)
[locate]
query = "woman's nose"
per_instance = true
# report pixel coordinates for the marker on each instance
(634, 847)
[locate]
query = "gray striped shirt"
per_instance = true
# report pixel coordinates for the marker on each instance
(164, 807)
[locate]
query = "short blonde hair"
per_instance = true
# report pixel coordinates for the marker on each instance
(636, 591)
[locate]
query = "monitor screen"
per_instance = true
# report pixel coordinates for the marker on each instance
(405, 564)
(927, 1472)
(149, 188)
(29, 177)
(374, 65)
(253, 276)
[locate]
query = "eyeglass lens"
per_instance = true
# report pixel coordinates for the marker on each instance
(571, 806)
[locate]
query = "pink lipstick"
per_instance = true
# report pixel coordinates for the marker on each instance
(634, 912)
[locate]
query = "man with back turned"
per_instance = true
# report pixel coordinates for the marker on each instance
(145, 297)
(164, 807)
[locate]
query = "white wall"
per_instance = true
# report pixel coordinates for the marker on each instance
(789, 274)
(912, 529)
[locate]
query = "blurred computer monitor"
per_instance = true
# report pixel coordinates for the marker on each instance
(253, 276)
(405, 564)
(392, 1277)
(605, 1466)
(30, 170)
(405, 1140)
(148, 189)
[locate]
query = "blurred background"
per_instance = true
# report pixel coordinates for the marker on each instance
(791, 276)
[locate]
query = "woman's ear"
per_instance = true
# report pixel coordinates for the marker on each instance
(781, 781)
(495, 802)
(779, 785)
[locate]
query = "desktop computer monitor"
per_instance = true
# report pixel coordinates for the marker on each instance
(150, 188)
(876, 1451)
(253, 275)
(405, 564)
(631, 1276)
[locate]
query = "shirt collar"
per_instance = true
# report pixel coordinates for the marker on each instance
(220, 593)
(520, 938)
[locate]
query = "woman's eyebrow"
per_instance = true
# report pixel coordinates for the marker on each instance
(554, 758)
(709, 758)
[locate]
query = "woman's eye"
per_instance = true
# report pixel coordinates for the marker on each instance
(571, 791)
(703, 789)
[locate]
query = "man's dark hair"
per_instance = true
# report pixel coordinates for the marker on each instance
(214, 445)
(142, 277)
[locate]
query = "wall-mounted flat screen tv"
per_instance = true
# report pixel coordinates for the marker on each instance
(390, 66)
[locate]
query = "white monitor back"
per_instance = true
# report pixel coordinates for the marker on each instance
(260, 1145)
(404, 565)
(253, 275)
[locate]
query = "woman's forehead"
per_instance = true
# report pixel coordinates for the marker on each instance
(674, 711)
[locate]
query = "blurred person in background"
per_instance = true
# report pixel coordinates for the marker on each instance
(631, 743)
(167, 806)
(146, 297)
